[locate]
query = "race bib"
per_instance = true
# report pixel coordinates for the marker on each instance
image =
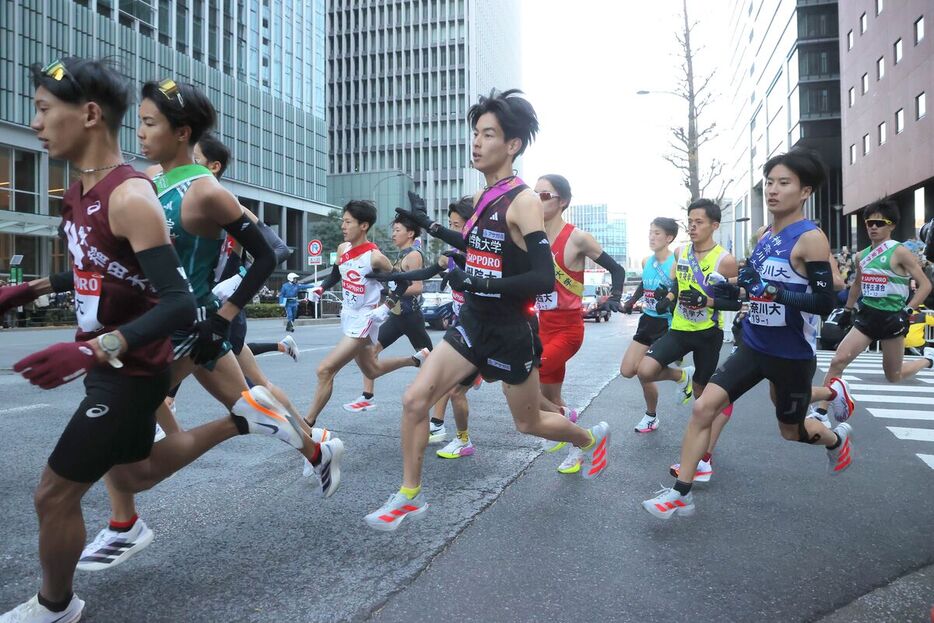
(486, 266)
(766, 313)
(692, 314)
(874, 286)
(88, 288)
(648, 301)
(545, 302)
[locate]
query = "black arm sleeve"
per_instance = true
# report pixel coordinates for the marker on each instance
(821, 300)
(331, 280)
(252, 240)
(453, 238)
(540, 279)
(279, 248)
(62, 282)
(419, 274)
(617, 272)
(726, 304)
(638, 293)
(176, 306)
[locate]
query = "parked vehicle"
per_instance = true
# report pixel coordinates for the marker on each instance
(592, 304)
(437, 304)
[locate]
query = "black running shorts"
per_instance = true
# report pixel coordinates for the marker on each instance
(114, 424)
(880, 325)
(650, 329)
(411, 325)
(705, 345)
(238, 332)
(502, 350)
(792, 379)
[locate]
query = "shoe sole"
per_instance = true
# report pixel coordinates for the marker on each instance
(569, 471)
(142, 544)
(850, 403)
(358, 409)
(265, 395)
(645, 431)
(666, 516)
(697, 478)
(552, 449)
(438, 438)
(337, 453)
(466, 453)
(394, 525)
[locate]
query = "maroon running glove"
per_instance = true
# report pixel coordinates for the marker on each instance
(58, 364)
(14, 296)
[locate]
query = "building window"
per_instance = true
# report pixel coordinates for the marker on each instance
(863, 23)
(879, 4)
(853, 154)
(882, 133)
(865, 84)
(899, 120)
(919, 30)
(880, 68)
(865, 144)
(920, 105)
(852, 93)
(898, 51)
(849, 40)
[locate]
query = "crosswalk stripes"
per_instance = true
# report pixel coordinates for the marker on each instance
(899, 401)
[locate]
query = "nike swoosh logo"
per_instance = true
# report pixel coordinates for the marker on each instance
(275, 429)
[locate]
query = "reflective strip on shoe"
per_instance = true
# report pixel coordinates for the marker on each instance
(398, 512)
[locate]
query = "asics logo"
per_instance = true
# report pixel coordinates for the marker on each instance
(97, 411)
(94, 207)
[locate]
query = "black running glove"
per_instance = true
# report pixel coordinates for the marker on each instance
(692, 298)
(663, 304)
(462, 282)
(213, 338)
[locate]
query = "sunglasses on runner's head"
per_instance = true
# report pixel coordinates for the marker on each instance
(56, 70)
(170, 90)
(878, 222)
(544, 195)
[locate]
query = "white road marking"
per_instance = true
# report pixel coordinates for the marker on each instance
(902, 414)
(23, 408)
(907, 389)
(912, 434)
(893, 398)
(927, 458)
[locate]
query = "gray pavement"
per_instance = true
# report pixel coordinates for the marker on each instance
(240, 536)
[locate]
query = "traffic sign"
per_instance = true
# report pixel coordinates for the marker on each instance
(315, 248)
(315, 260)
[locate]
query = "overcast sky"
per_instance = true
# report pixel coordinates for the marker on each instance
(583, 62)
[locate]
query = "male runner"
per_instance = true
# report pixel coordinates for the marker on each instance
(198, 211)
(361, 313)
(560, 324)
(406, 317)
(131, 293)
(508, 263)
(883, 310)
(789, 282)
(653, 324)
(288, 298)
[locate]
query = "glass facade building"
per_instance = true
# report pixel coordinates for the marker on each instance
(261, 62)
(611, 234)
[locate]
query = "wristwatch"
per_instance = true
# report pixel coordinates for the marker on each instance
(110, 344)
(771, 292)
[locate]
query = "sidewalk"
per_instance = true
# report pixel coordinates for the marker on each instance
(908, 599)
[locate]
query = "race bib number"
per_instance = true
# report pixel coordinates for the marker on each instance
(648, 301)
(545, 302)
(766, 313)
(693, 315)
(874, 286)
(88, 288)
(484, 265)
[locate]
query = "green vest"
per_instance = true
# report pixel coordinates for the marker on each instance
(198, 254)
(685, 319)
(881, 287)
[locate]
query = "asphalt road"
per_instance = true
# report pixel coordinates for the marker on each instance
(240, 536)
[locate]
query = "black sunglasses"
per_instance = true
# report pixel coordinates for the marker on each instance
(878, 222)
(546, 196)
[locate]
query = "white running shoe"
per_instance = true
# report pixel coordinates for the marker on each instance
(457, 449)
(823, 418)
(291, 348)
(702, 474)
(686, 384)
(390, 515)
(160, 434)
(34, 612)
(841, 458)
(329, 469)
(842, 405)
(436, 432)
(572, 462)
(318, 435)
(669, 503)
(594, 459)
(421, 356)
(266, 416)
(647, 424)
(111, 548)
(360, 405)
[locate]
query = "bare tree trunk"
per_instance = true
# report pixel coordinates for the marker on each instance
(690, 96)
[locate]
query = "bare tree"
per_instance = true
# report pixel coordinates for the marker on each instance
(687, 142)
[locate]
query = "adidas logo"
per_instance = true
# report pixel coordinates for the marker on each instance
(495, 216)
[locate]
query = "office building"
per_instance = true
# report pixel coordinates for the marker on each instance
(611, 234)
(402, 75)
(261, 64)
(887, 74)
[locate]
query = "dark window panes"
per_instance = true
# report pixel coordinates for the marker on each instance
(28, 247)
(58, 177)
(25, 202)
(5, 156)
(55, 206)
(24, 166)
(5, 199)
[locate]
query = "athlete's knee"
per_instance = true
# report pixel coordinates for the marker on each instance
(627, 371)
(704, 412)
(893, 376)
(414, 402)
(326, 371)
(798, 432)
(50, 500)
(528, 425)
(648, 369)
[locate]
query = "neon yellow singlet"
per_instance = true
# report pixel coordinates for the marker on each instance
(686, 319)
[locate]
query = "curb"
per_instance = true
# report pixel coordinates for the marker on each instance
(908, 598)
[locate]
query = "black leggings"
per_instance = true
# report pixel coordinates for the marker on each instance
(411, 325)
(259, 348)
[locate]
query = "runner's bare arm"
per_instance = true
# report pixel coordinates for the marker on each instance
(909, 262)
(729, 268)
(838, 283)
(592, 249)
(413, 261)
(855, 289)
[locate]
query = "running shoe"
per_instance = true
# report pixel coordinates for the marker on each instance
(814, 414)
(570, 414)
(842, 457)
(111, 548)
(842, 405)
(34, 612)
(290, 347)
(928, 353)
(160, 434)
(647, 424)
(477, 382)
(436, 432)
(266, 416)
(399, 507)
(668, 503)
(702, 474)
(729, 410)
(457, 449)
(329, 469)
(594, 459)
(421, 356)
(686, 384)
(572, 462)
(360, 404)
(318, 435)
